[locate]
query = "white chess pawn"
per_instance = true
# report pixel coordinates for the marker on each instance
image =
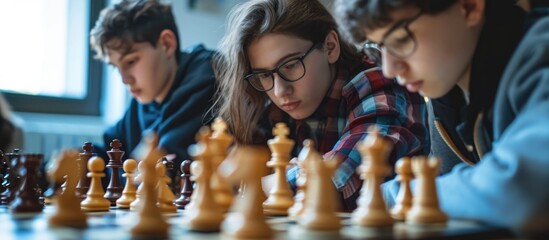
(129, 192)
(136, 203)
(403, 168)
(95, 201)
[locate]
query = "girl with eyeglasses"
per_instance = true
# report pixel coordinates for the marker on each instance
(284, 61)
(488, 109)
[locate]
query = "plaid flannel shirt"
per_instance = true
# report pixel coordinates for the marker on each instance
(359, 97)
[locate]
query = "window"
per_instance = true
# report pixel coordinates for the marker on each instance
(47, 63)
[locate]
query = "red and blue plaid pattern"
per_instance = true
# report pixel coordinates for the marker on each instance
(358, 99)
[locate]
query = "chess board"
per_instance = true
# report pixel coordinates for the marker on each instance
(116, 223)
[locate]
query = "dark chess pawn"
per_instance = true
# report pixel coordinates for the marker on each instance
(27, 200)
(187, 188)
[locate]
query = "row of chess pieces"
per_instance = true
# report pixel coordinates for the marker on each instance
(215, 170)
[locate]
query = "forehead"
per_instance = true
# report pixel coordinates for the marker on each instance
(397, 16)
(267, 50)
(116, 50)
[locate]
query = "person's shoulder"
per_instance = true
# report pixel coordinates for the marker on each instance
(366, 79)
(197, 52)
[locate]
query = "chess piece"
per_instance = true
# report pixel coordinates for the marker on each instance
(280, 196)
(84, 182)
(135, 204)
(186, 185)
(403, 168)
(129, 192)
(219, 142)
(27, 200)
(95, 201)
(425, 208)
(114, 190)
(165, 194)
(204, 213)
(14, 180)
(371, 210)
(301, 182)
(150, 221)
(4, 169)
(67, 210)
(320, 206)
(246, 219)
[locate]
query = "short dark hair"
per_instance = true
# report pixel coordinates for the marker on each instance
(129, 22)
(354, 16)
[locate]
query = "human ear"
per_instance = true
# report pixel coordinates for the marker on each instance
(167, 42)
(473, 10)
(331, 44)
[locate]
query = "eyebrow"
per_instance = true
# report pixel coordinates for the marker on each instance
(281, 60)
(123, 55)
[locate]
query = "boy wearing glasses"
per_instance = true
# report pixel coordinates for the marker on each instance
(171, 89)
(486, 111)
(283, 61)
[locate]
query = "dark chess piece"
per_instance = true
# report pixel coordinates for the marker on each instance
(114, 190)
(27, 200)
(4, 168)
(168, 163)
(187, 188)
(13, 179)
(84, 182)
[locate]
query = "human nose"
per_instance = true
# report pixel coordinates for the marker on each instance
(126, 77)
(281, 87)
(392, 66)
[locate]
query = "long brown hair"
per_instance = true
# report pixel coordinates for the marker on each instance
(237, 102)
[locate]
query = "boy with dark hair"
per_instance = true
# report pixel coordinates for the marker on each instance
(171, 89)
(455, 52)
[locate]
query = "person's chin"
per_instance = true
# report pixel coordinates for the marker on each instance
(143, 100)
(298, 115)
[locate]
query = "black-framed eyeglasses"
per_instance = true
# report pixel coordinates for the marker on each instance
(291, 70)
(399, 41)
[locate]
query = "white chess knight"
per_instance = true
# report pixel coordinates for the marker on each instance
(67, 211)
(246, 164)
(321, 202)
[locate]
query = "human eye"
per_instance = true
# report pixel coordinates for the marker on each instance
(263, 76)
(292, 64)
(399, 36)
(131, 62)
